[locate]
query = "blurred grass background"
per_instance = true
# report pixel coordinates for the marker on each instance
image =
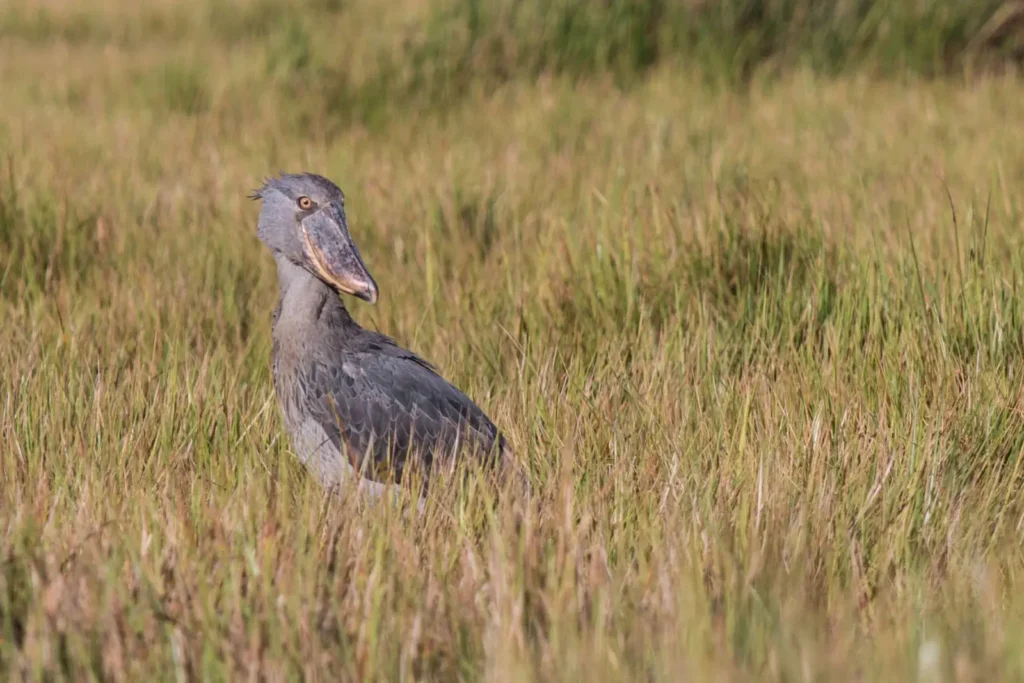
(741, 279)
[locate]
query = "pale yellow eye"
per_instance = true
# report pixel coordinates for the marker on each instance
(305, 203)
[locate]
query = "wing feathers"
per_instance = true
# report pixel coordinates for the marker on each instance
(385, 407)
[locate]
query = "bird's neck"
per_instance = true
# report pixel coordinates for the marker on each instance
(305, 297)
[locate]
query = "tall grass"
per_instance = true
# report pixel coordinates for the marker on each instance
(759, 348)
(429, 54)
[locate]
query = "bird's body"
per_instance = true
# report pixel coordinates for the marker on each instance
(354, 402)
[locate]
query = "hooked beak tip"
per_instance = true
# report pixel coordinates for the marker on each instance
(348, 280)
(367, 294)
(361, 289)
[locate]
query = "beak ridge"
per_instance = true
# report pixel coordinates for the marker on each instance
(333, 254)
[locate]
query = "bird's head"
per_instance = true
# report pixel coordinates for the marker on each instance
(302, 219)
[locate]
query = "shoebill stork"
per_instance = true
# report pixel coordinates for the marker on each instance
(354, 402)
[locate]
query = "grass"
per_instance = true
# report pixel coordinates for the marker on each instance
(759, 347)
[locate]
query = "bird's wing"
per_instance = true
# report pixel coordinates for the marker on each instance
(380, 404)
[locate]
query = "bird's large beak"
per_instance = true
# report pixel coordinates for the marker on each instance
(333, 254)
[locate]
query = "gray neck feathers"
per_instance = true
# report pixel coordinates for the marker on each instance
(303, 296)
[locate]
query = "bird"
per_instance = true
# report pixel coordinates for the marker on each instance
(354, 402)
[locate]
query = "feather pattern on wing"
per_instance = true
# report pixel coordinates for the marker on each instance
(380, 404)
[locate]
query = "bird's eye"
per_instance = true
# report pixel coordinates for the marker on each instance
(305, 203)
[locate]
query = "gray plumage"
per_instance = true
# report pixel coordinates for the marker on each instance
(352, 399)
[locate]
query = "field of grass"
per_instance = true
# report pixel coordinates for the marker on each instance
(756, 333)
